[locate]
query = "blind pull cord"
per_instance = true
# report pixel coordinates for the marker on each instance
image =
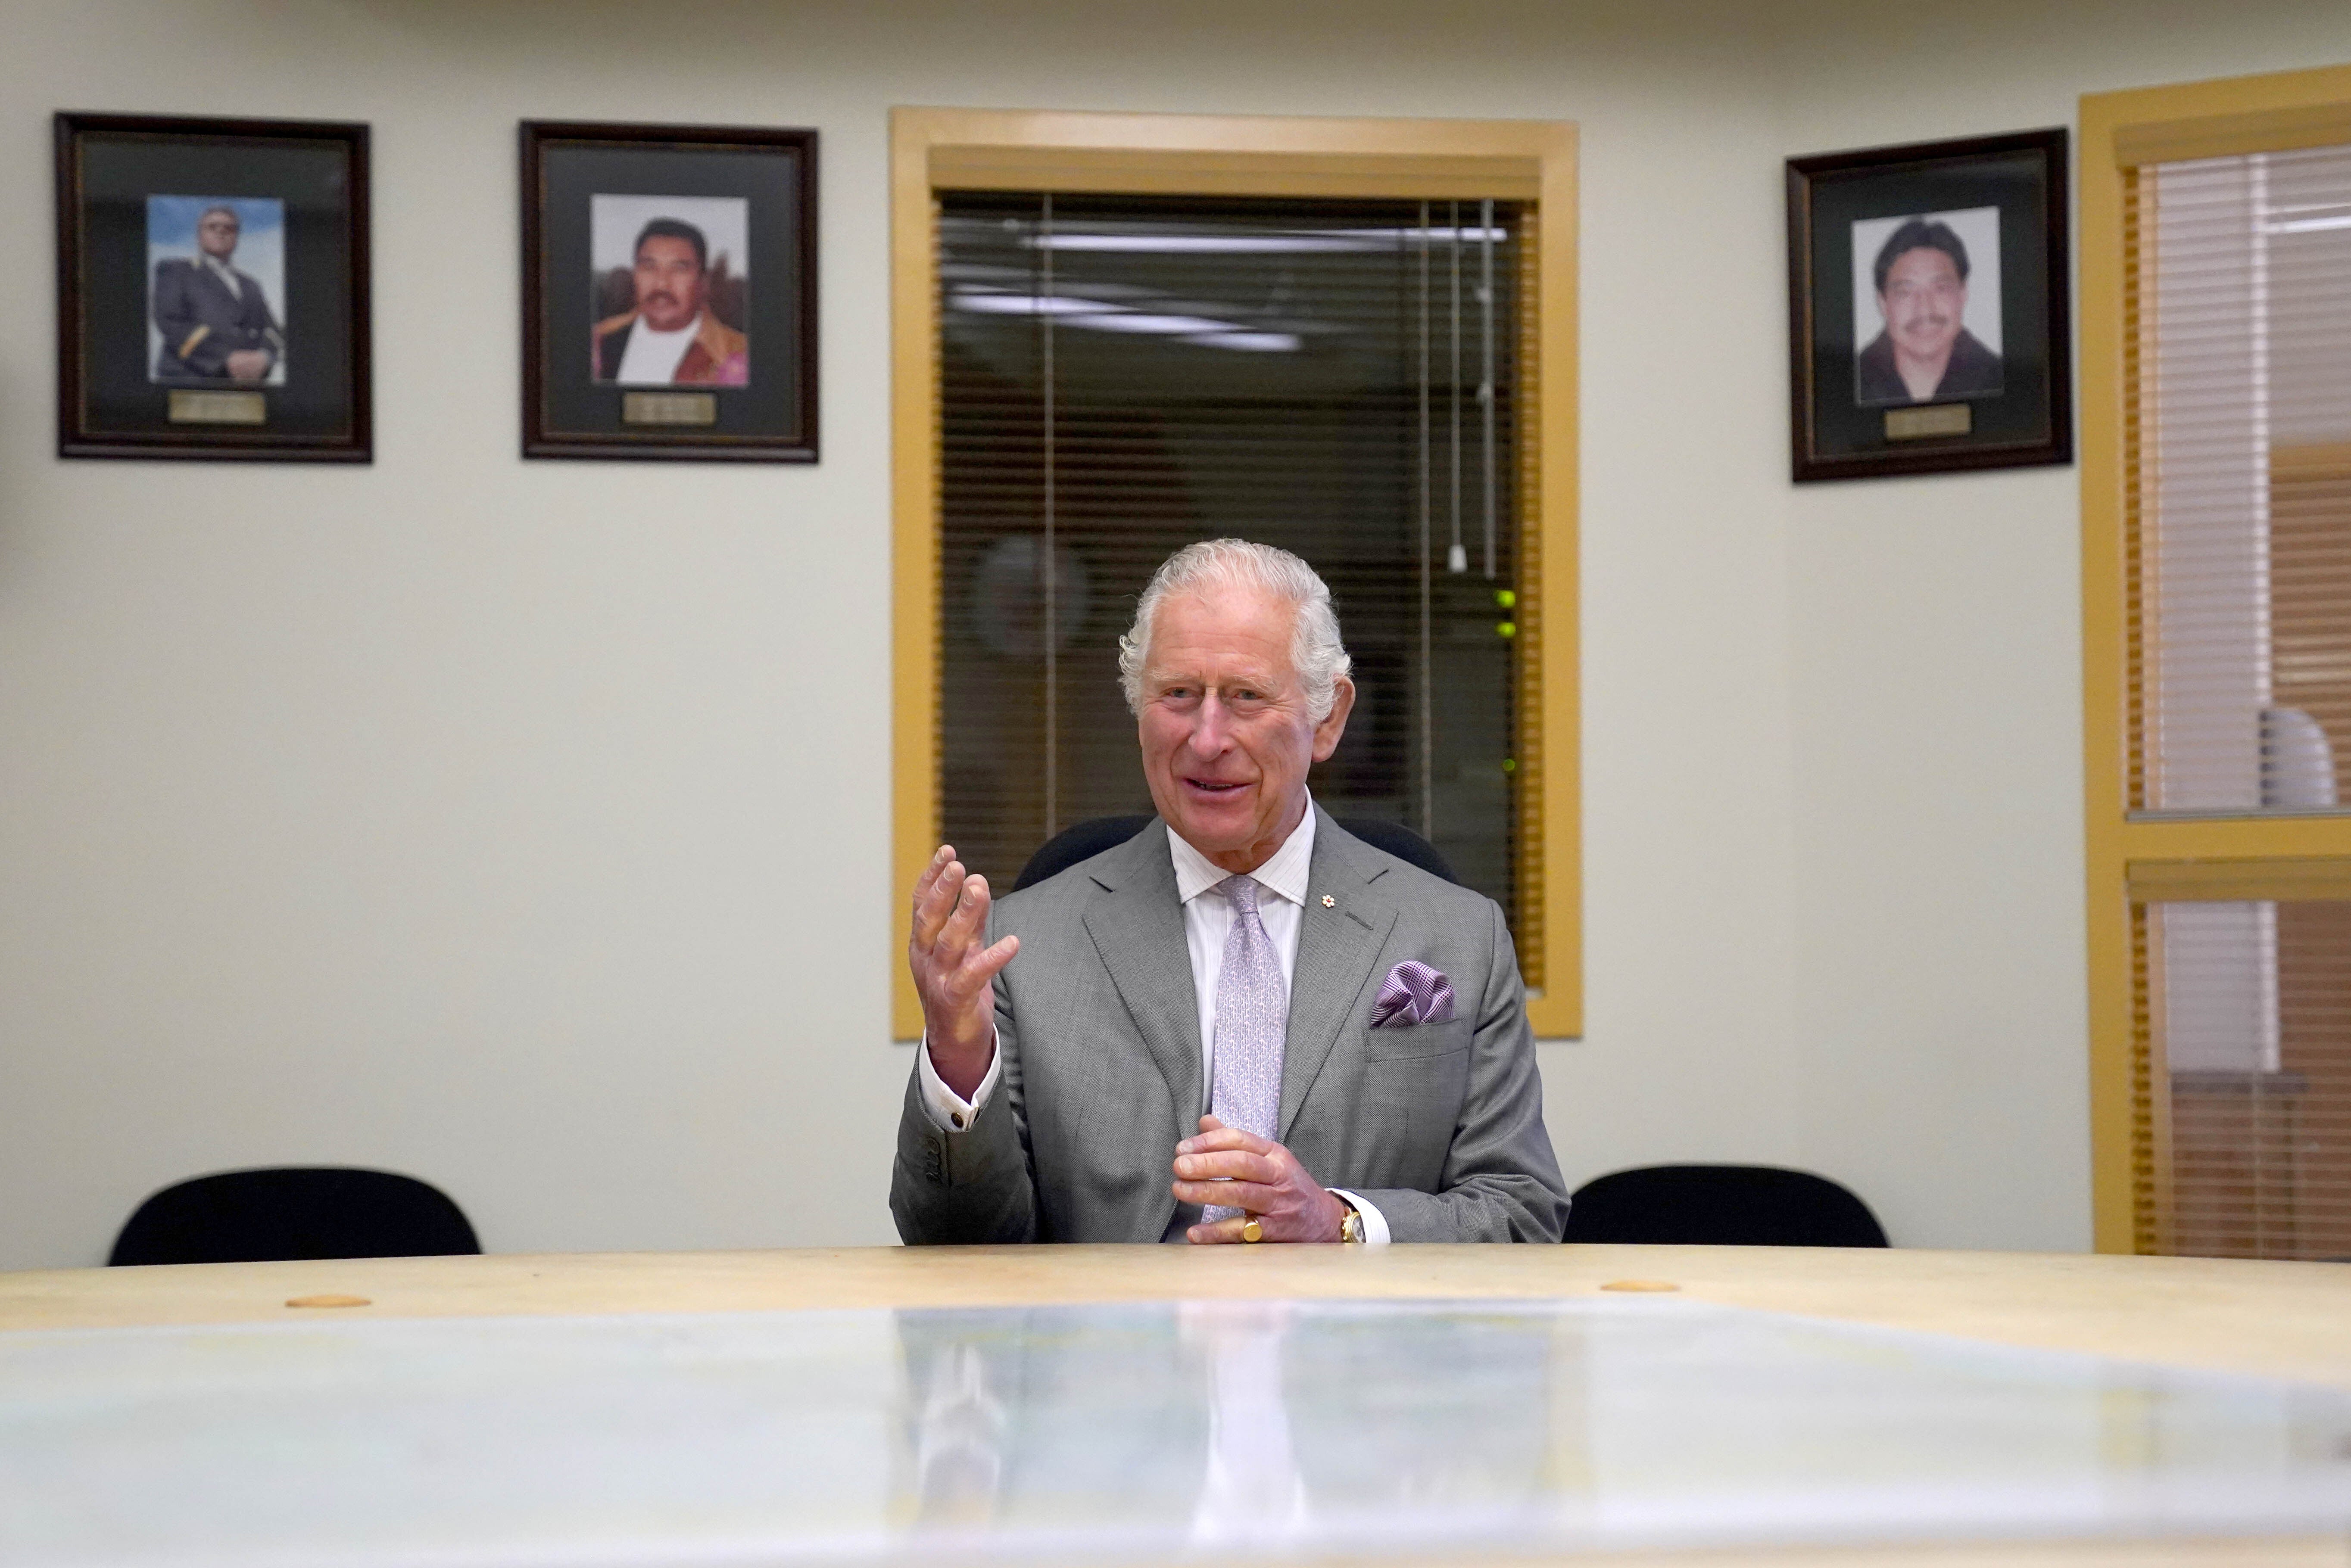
(1486, 377)
(1045, 573)
(2264, 654)
(1456, 558)
(1428, 769)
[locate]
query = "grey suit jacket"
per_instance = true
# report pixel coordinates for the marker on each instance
(1440, 1125)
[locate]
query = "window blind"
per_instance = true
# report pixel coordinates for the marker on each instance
(2248, 1015)
(1121, 376)
(2241, 300)
(2237, 523)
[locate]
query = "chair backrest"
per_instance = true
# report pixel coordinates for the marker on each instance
(1721, 1206)
(271, 1215)
(1091, 837)
(1401, 842)
(1081, 841)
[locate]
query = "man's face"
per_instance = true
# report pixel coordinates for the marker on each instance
(216, 233)
(1227, 736)
(1924, 301)
(669, 283)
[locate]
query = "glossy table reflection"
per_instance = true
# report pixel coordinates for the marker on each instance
(896, 1405)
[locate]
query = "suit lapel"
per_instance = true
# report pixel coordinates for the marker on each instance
(615, 347)
(1336, 948)
(212, 280)
(1138, 930)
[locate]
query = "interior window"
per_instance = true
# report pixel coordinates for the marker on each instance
(1121, 376)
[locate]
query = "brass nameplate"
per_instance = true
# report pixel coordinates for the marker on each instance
(1936, 419)
(219, 409)
(669, 408)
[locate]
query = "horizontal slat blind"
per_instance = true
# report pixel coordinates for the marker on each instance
(2244, 372)
(2249, 1015)
(1121, 376)
(2239, 523)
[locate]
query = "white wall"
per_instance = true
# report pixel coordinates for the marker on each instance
(1934, 672)
(522, 825)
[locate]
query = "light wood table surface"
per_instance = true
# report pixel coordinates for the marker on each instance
(2277, 1319)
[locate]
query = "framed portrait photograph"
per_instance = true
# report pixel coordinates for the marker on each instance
(212, 289)
(669, 291)
(1927, 308)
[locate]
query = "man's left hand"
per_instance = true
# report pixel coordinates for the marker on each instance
(1264, 1181)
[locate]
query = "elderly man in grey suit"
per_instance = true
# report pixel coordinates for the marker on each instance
(1353, 1028)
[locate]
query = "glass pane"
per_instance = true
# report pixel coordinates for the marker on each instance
(2250, 1040)
(2245, 444)
(1124, 376)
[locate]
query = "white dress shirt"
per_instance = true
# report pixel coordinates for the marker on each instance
(1207, 921)
(651, 359)
(225, 272)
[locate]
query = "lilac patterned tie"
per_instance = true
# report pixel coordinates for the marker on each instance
(1252, 1014)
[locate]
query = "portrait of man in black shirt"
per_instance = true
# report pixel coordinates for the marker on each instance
(1925, 352)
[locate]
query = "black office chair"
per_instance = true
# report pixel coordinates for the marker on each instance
(1080, 841)
(271, 1215)
(1721, 1206)
(1089, 838)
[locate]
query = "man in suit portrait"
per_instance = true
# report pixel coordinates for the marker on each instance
(671, 337)
(214, 323)
(1244, 1023)
(1925, 352)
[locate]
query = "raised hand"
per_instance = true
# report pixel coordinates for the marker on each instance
(954, 974)
(1266, 1181)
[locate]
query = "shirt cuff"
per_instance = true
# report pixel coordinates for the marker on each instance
(1375, 1224)
(950, 1113)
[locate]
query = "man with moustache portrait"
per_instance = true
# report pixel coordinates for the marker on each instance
(1925, 352)
(671, 337)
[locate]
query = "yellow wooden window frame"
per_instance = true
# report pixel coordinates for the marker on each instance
(2136, 859)
(935, 150)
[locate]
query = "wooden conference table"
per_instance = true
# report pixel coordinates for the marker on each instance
(2276, 1320)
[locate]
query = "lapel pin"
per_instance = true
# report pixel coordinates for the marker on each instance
(1329, 902)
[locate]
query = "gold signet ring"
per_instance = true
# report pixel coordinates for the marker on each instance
(1252, 1231)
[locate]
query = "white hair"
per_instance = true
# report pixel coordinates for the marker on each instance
(1315, 651)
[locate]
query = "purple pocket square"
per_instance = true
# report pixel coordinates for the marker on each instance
(1413, 993)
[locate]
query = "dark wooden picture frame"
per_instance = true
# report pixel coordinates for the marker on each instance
(741, 201)
(1890, 225)
(270, 368)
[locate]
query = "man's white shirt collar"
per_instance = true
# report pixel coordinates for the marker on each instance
(1285, 874)
(652, 357)
(225, 272)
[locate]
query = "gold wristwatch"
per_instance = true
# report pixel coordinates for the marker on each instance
(1350, 1228)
